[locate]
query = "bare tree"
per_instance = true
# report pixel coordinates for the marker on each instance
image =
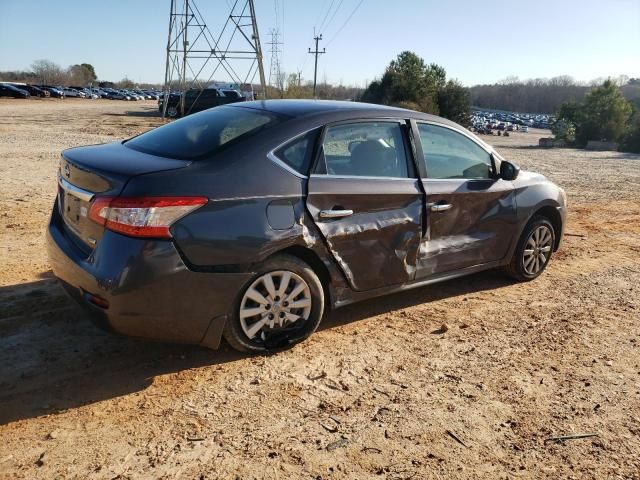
(48, 72)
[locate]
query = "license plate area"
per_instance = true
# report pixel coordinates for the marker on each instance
(74, 211)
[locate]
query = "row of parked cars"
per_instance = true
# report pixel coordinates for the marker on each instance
(485, 121)
(24, 90)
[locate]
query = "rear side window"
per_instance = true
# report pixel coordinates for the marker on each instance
(365, 149)
(297, 153)
(203, 134)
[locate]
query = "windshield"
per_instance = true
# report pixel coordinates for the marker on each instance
(202, 134)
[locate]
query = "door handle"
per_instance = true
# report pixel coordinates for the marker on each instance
(441, 207)
(335, 213)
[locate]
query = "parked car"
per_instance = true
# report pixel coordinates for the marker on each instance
(524, 129)
(247, 221)
(197, 100)
(53, 91)
(32, 89)
(7, 90)
(89, 93)
(72, 92)
(120, 96)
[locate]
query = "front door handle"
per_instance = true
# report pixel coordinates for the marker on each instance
(335, 213)
(441, 207)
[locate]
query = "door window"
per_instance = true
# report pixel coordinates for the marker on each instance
(449, 154)
(365, 149)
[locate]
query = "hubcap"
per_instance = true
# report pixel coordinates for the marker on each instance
(537, 250)
(274, 302)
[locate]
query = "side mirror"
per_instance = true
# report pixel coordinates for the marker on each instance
(508, 170)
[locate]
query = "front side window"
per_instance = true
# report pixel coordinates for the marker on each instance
(365, 149)
(203, 134)
(449, 154)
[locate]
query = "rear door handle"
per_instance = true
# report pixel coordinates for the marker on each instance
(441, 207)
(335, 213)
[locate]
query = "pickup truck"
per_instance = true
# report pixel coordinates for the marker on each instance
(197, 100)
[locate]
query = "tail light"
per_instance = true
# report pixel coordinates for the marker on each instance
(142, 216)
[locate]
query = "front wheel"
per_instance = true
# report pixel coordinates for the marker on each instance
(533, 251)
(282, 305)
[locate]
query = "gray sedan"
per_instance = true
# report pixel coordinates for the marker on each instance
(248, 221)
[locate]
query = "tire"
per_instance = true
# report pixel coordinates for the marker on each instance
(278, 330)
(172, 111)
(520, 266)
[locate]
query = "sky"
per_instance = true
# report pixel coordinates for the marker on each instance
(475, 41)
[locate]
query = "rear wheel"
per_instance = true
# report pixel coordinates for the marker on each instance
(282, 305)
(533, 251)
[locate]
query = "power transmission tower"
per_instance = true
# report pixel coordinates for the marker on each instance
(275, 50)
(316, 52)
(195, 55)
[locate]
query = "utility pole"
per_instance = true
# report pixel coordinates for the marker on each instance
(316, 52)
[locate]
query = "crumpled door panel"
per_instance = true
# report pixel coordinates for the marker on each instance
(377, 245)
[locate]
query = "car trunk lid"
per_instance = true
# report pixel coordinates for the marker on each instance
(99, 170)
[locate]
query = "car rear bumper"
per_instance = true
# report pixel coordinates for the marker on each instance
(150, 291)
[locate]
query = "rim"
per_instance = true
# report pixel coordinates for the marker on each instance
(172, 111)
(537, 250)
(274, 302)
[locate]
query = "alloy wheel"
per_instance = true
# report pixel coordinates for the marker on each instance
(274, 302)
(537, 250)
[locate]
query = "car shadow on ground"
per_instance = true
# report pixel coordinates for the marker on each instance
(52, 358)
(148, 112)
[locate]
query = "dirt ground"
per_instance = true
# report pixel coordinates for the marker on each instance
(381, 391)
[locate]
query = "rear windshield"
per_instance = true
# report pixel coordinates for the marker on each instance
(202, 134)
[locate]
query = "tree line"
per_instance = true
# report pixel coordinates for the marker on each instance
(542, 95)
(46, 72)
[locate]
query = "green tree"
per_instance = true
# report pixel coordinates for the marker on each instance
(604, 115)
(91, 72)
(409, 82)
(454, 102)
(407, 79)
(631, 141)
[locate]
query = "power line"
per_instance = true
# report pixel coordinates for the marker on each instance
(325, 16)
(345, 23)
(315, 24)
(326, 26)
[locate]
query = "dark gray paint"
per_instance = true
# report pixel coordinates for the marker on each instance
(184, 289)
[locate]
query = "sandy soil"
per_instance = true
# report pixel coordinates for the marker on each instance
(381, 391)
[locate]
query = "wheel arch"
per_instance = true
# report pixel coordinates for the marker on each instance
(551, 213)
(312, 259)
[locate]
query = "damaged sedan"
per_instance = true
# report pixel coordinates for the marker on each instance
(248, 221)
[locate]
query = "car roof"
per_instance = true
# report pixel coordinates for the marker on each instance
(335, 110)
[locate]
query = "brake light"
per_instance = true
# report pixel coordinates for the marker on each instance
(142, 216)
